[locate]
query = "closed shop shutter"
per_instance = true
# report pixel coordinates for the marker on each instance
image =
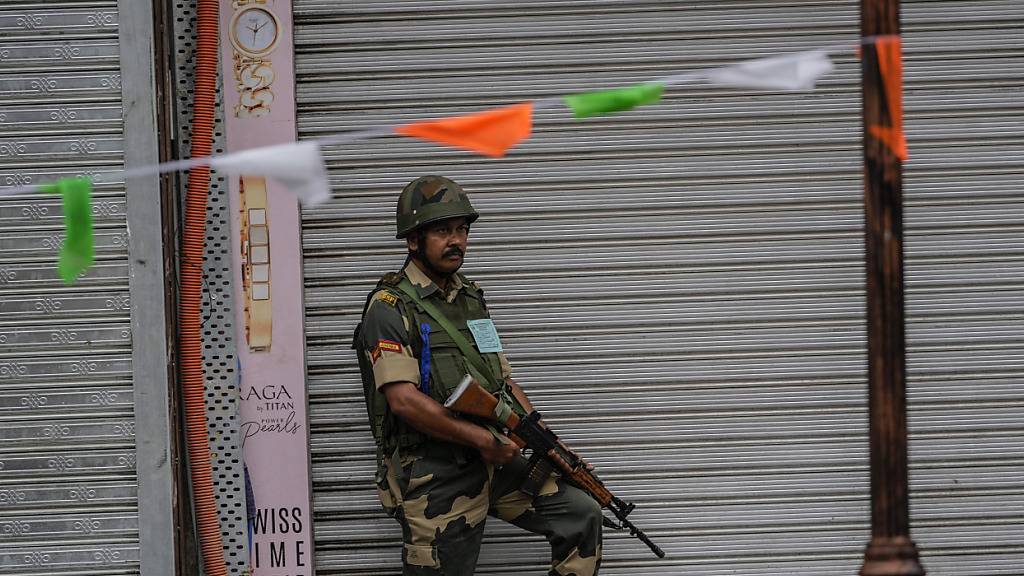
(964, 215)
(680, 287)
(68, 487)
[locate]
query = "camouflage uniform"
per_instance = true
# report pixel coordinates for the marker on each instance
(441, 493)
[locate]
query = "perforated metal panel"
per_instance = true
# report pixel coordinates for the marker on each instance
(68, 485)
(680, 288)
(219, 353)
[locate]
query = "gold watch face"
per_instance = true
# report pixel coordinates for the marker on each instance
(255, 31)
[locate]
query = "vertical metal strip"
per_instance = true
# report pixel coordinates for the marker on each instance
(155, 461)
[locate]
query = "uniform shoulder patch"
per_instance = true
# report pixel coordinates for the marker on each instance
(387, 298)
(389, 346)
(382, 347)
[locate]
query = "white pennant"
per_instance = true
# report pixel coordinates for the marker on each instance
(798, 71)
(297, 165)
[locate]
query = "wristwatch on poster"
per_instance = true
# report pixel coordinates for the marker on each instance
(256, 262)
(254, 32)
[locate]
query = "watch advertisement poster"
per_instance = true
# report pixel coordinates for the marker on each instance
(259, 110)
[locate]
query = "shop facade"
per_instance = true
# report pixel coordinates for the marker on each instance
(679, 288)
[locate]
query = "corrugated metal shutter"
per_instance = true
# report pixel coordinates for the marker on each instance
(68, 488)
(964, 215)
(680, 288)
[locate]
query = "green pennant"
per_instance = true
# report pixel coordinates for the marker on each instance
(607, 101)
(76, 255)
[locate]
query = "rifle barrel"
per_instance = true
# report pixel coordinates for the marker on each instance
(633, 530)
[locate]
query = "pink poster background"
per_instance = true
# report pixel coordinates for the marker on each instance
(274, 424)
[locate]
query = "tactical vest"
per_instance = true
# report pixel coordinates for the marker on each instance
(447, 364)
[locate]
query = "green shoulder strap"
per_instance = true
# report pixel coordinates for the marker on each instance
(467, 349)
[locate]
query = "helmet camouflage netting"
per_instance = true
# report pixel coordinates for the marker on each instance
(429, 199)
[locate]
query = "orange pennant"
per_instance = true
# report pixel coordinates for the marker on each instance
(491, 132)
(890, 66)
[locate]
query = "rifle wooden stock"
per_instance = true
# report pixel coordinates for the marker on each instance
(471, 399)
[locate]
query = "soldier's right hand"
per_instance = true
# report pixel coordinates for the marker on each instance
(498, 451)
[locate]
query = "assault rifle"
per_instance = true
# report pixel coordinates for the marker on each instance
(471, 399)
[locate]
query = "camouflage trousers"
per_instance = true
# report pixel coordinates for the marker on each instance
(441, 495)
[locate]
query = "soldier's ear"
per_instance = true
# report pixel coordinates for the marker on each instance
(412, 241)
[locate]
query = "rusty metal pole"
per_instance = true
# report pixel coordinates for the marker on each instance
(890, 552)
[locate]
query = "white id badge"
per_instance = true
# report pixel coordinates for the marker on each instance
(485, 334)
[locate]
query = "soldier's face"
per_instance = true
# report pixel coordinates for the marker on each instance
(442, 244)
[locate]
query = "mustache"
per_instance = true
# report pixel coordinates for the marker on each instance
(453, 251)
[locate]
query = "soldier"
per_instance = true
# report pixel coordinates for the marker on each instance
(440, 475)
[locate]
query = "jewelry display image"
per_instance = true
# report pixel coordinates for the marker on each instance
(255, 231)
(254, 33)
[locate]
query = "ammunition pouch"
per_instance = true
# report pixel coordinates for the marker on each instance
(539, 469)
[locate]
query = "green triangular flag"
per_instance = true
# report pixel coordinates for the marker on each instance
(76, 254)
(617, 100)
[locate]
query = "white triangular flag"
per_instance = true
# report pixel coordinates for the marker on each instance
(297, 165)
(798, 71)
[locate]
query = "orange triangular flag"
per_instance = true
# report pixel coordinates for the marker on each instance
(891, 68)
(491, 132)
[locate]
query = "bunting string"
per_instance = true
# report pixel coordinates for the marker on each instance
(711, 75)
(299, 166)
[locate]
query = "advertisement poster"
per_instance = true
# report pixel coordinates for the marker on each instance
(259, 110)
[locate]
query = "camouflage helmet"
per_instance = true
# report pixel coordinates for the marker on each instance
(429, 199)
